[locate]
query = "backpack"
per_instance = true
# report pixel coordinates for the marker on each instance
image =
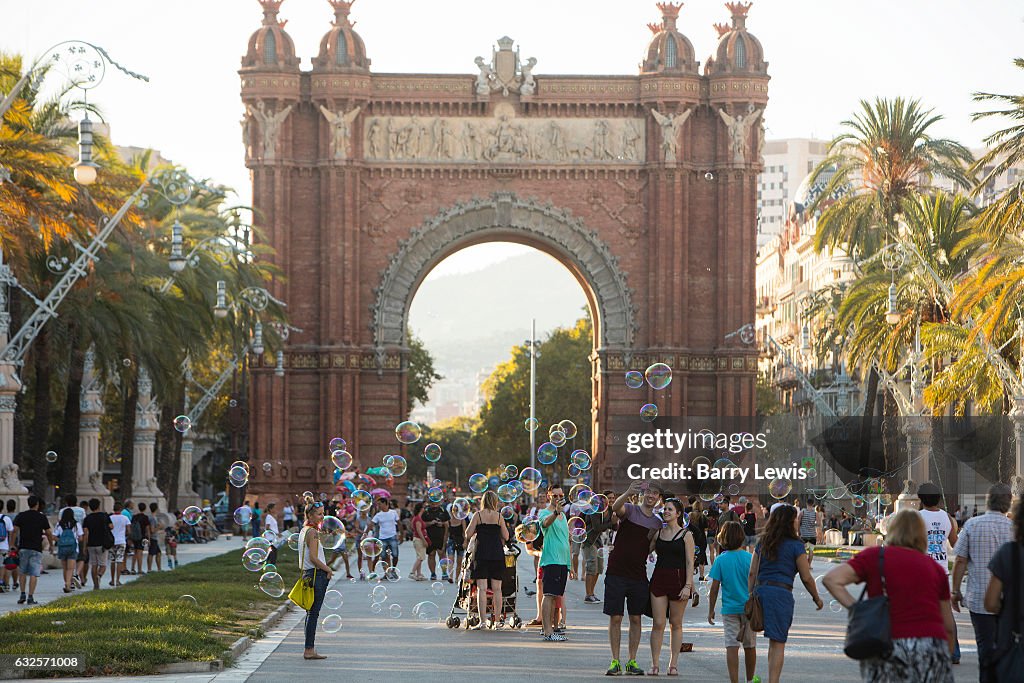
(137, 528)
(67, 539)
(3, 528)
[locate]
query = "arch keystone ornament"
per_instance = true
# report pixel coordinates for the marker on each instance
(638, 184)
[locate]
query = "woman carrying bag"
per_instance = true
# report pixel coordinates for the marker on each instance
(917, 589)
(316, 576)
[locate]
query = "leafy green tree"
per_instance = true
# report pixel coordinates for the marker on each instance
(421, 372)
(1004, 216)
(457, 439)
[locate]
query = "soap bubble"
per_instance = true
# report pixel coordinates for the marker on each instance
(396, 464)
(395, 611)
(437, 588)
(648, 412)
(333, 599)
(557, 437)
(634, 379)
(182, 423)
(332, 533)
(568, 428)
(253, 559)
(435, 494)
(528, 532)
(507, 493)
(511, 471)
(192, 514)
(371, 547)
(379, 594)
(272, 584)
(331, 623)
(267, 467)
(432, 452)
(530, 479)
(547, 453)
(243, 516)
(392, 574)
(238, 476)
(477, 483)
(408, 432)
(459, 508)
(188, 601)
(581, 459)
(362, 500)
(337, 444)
(508, 512)
(780, 488)
(341, 459)
(427, 613)
(531, 424)
(835, 606)
(658, 375)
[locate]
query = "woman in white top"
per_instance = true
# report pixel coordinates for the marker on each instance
(289, 515)
(314, 567)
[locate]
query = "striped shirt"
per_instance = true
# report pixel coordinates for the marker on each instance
(979, 540)
(808, 523)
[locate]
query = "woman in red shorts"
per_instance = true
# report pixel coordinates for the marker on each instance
(671, 583)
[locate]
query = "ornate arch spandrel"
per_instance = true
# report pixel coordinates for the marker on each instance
(540, 224)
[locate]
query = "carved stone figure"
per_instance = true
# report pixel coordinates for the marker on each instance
(470, 141)
(529, 85)
(630, 140)
(600, 148)
(556, 139)
(760, 143)
(484, 78)
(341, 130)
(246, 133)
(739, 127)
(270, 127)
(393, 135)
(670, 125)
(376, 139)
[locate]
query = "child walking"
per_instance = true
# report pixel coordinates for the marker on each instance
(729, 573)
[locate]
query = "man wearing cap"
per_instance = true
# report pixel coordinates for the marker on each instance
(941, 529)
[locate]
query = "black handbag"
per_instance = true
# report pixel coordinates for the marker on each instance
(869, 632)
(1010, 662)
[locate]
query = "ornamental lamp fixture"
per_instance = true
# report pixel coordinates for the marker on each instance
(279, 369)
(176, 260)
(85, 169)
(805, 338)
(221, 308)
(257, 339)
(892, 316)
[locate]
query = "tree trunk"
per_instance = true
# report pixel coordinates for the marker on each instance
(171, 451)
(20, 443)
(68, 467)
(165, 447)
(867, 421)
(41, 413)
(129, 400)
(1007, 458)
(892, 436)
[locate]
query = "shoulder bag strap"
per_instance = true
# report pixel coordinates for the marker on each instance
(1016, 578)
(881, 568)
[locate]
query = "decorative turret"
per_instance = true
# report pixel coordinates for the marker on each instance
(670, 51)
(270, 47)
(738, 50)
(341, 49)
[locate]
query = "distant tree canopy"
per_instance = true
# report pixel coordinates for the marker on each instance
(564, 391)
(421, 371)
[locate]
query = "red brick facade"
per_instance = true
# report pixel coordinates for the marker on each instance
(338, 190)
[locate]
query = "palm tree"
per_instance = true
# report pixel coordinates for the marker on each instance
(1006, 150)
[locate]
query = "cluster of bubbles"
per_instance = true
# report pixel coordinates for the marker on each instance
(238, 474)
(657, 376)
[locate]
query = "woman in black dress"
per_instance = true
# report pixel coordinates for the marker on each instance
(491, 534)
(671, 583)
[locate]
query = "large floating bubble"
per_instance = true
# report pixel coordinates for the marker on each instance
(371, 547)
(568, 428)
(242, 515)
(581, 459)
(331, 623)
(507, 493)
(460, 508)
(397, 464)
(432, 452)
(427, 614)
(332, 533)
(658, 375)
(253, 559)
(780, 488)
(182, 423)
(362, 500)
(272, 584)
(478, 483)
(530, 479)
(333, 599)
(341, 459)
(557, 437)
(634, 379)
(435, 494)
(337, 444)
(547, 453)
(528, 531)
(648, 412)
(408, 432)
(192, 514)
(531, 424)
(238, 476)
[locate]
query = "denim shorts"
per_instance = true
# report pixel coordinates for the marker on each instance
(392, 545)
(30, 562)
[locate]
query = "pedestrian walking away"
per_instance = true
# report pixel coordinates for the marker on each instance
(98, 538)
(778, 558)
(69, 532)
(976, 545)
(729, 575)
(921, 622)
(315, 571)
(30, 528)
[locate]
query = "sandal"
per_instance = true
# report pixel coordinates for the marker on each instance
(696, 599)
(654, 671)
(686, 647)
(672, 671)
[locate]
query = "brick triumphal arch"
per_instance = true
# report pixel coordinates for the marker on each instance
(643, 186)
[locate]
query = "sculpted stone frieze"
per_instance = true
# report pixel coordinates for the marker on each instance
(504, 138)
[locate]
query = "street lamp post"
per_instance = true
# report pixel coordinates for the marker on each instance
(532, 342)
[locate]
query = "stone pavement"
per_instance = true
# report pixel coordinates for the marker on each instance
(50, 585)
(374, 645)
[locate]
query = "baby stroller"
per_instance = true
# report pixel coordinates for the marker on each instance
(466, 603)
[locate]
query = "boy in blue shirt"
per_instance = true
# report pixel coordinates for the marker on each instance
(729, 573)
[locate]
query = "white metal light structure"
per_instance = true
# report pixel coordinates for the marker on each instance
(279, 368)
(805, 338)
(85, 169)
(221, 308)
(892, 315)
(177, 259)
(257, 339)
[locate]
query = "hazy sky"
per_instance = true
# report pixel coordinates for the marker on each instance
(823, 55)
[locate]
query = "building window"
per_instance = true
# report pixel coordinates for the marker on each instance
(741, 52)
(671, 55)
(341, 56)
(270, 48)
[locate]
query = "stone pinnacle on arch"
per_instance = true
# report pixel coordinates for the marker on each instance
(341, 11)
(669, 14)
(669, 50)
(270, 10)
(739, 13)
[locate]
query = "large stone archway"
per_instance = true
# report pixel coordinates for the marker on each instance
(505, 216)
(645, 186)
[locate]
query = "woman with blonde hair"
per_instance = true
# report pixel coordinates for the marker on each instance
(919, 610)
(491, 534)
(315, 570)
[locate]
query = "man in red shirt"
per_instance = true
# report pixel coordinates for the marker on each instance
(626, 586)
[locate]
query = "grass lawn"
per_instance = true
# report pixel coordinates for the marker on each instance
(840, 553)
(143, 624)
